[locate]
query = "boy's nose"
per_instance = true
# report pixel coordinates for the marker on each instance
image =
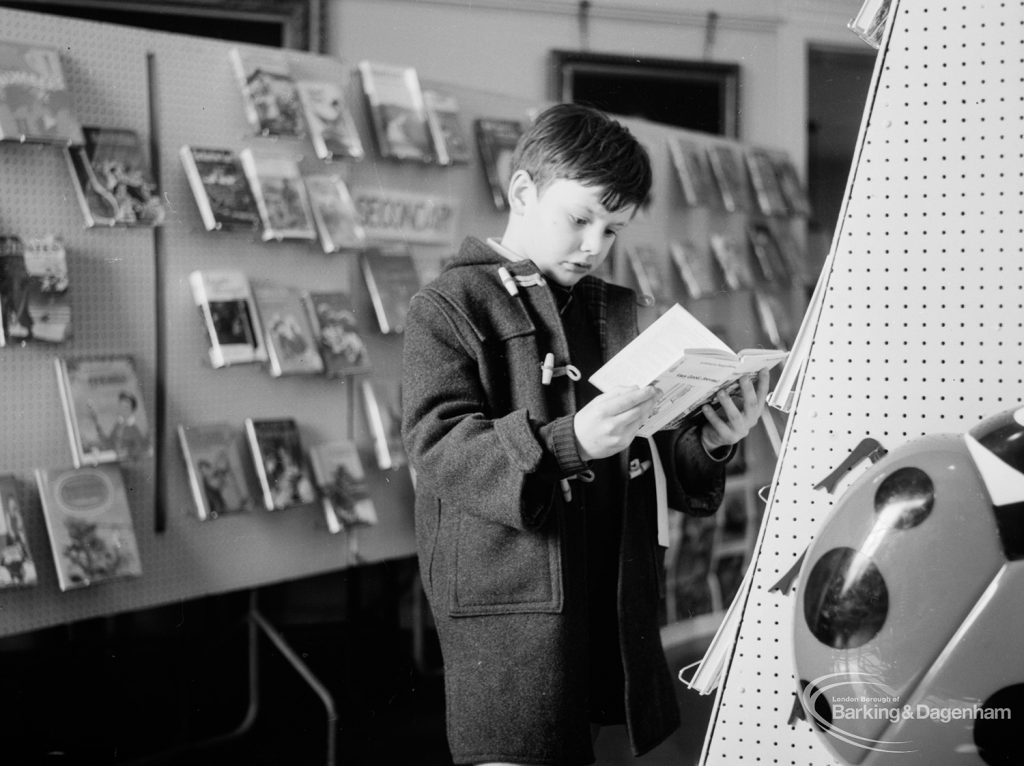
(591, 244)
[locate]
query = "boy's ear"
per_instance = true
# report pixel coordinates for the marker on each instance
(521, 190)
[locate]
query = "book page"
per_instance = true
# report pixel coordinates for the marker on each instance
(656, 349)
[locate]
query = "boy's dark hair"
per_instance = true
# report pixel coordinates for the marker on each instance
(579, 143)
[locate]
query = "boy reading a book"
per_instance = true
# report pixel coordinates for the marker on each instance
(536, 508)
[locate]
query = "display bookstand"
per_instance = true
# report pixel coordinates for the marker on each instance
(919, 330)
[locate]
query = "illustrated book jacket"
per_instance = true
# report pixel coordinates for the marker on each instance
(289, 337)
(220, 188)
(219, 469)
(104, 409)
(279, 460)
(35, 103)
(269, 96)
(281, 199)
(338, 471)
(112, 179)
(17, 567)
(329, 121)
(228, 310)
(397, 112)
(334, 213)
(391, 279)
(336, 332)
(90, 525)
(496, 140)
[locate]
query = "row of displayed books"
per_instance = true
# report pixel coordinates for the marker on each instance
(293, 331)
(726, 263)
(739, 179)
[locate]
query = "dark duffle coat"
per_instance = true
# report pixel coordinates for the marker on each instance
(499, 547)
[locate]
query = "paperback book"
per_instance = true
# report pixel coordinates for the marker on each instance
(733, 260)
(767, 190)
(778, 326)
(793, 190)
(383, 409)
(219, 469)
(269, 95)
(281, 199)
(770, 260)
(228, 310)
(17, 567)
(647, 261)
(869, 23)
(695, 268)
(49, 308)
(339, 475)
(692, 170)
(329, 120)
(282, 471)
(450, 139)
(731, 178)
(397, 112)
(496, 141)
(104, 409)
(90, 526)
(112, 179)
(220, 188)
(391, 279)
(35, 103)
(336, 332)
(334, 213)
(687, 364)
(291, 349)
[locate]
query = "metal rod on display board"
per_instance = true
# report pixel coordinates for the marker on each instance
(159, 349)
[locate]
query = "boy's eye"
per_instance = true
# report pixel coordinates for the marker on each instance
(610, 232)
(578, 221)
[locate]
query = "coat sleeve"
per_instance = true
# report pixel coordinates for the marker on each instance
(694, 481)
(482, 464)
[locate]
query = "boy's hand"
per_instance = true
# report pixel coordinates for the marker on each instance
(731, 422)
(610, 421)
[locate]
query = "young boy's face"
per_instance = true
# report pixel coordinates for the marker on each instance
(564, 229)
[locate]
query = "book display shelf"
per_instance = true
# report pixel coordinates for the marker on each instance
(918, 333)
(130, 294)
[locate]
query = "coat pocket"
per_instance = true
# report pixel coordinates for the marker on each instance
(501, 570)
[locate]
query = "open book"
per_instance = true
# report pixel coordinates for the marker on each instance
(686, 362)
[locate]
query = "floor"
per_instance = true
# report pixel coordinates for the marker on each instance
(138, 689)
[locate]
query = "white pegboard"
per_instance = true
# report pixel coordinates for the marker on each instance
(920, 329)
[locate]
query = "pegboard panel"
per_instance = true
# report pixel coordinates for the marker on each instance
(920, 330)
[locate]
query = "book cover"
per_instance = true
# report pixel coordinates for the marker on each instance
(793, 190)
(730, 178)
(35, 104)
(90, 526)
(281, 199)
(778, 326)
(496, 141)
(17, 567)
(647, 263)
(391, 279)
(220, 188)
(49, 308)
(732, 256)
(339, 475)
(692, 169)
(14, 291)
(397, 112)
(450, 139)
(336, 332)
(269, 95)
(770, 260)
(289, 338)
(112, 180)
(104, 409)
(383, 409)
(228, 310)
(329, 120)
(765, 183)
(282, 471)
(695, 268)
(334, 213)
(686, 362)
(219, 470)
